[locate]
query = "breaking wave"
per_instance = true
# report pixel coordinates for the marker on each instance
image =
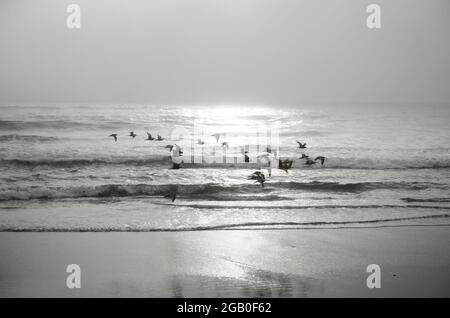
(426, 199)
(163, 158)
(61, 163)
(211, 191)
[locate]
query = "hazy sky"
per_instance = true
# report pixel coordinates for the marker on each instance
(224, 52)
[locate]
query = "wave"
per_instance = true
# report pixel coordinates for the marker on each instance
(234, 226)
(27, 138)
(388, 164)
(426, 200)
(162, 158)
(212, 191)
(61, 163)
(363, 162)
(355, 187)
(60, 124)
(221, 197)
(22, 125)
(303, 207)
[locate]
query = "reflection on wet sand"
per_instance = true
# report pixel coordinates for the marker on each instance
(283, 263)
(259, 283)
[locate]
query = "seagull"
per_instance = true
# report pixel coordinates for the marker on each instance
(255, 175)
(159, 138)
(200, 142)
(114, 136)
(150, 137)
(132, 134)
(301, 145)
(246, 157)
(304, 156)
(286, 165)
(321, 158)
(170, 147)
(258, 176)
(217, 136)
(225, 145)
(310, 162)
(172, 195)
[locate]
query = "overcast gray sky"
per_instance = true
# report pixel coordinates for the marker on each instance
(224, 52)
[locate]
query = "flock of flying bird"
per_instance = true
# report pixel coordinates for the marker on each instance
(133, 135)
(258, 176)
(286, 164)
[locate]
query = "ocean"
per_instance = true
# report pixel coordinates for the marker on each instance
(61, 171)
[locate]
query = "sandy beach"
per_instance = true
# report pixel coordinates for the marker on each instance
(414, 261)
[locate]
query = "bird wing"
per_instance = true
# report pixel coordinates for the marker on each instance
(217, 136)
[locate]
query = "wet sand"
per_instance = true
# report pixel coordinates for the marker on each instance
(414, 261)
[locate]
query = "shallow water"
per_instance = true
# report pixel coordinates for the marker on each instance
(61, 171)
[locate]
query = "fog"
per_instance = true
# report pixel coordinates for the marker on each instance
(217, 52)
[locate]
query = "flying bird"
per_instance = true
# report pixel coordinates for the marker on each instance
(132, 134)
(225, 145)
(114, 136)
(159, 138)
(255, 175)
(304, 156)
(171, 195)
(217, 136)
(310, 162)
(170, 147)
(321, 158)
(258, 176)
(285, 164)
(150, 137)
(200, 142)
(301, 145)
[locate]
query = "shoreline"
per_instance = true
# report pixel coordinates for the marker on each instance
(414, 262)
(219, 228)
